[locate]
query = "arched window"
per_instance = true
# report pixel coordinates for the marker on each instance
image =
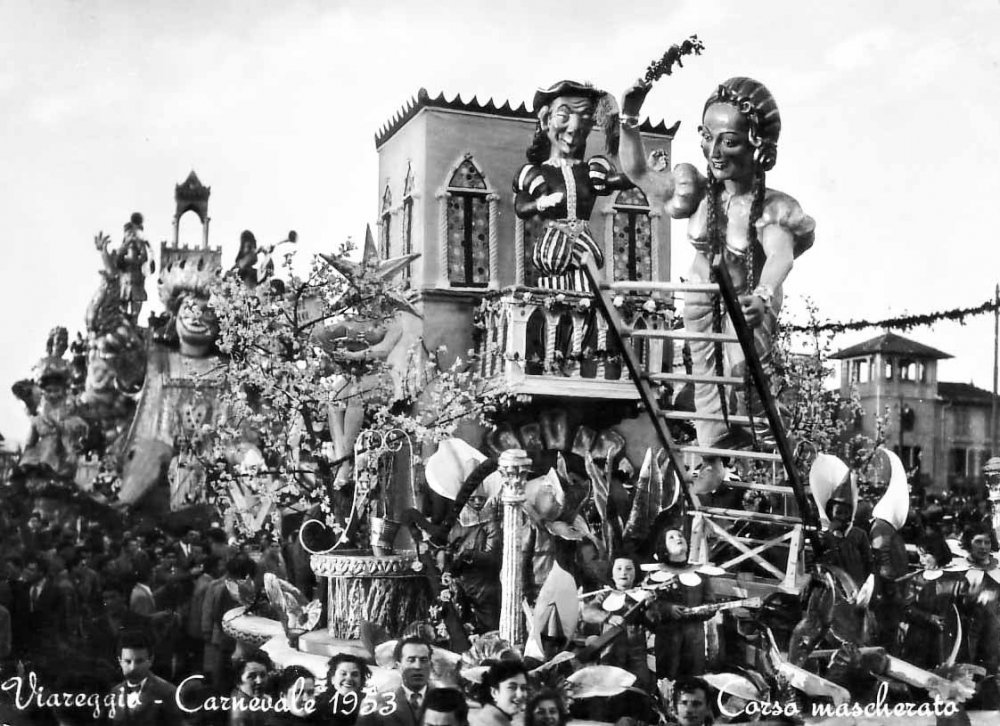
(408, 222)
(564, 344)
(531, 233)
(534, 343)
(385, 221)
(633, 237)
(468, 227)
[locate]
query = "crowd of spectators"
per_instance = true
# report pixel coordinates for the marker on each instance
(70, 591)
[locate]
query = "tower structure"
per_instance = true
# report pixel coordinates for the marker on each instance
(191, 196)
(197, 263)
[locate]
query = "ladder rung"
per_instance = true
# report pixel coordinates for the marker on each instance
(646, 286)
(690, 378)
(740, 514)
(695, 416)
(732, 453)
(777, 488)
(680, 335)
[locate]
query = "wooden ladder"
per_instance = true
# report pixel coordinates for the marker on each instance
(796, 529)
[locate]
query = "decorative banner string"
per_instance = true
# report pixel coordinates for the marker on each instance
(903, 322)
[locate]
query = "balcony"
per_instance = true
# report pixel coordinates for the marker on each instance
(555, 343)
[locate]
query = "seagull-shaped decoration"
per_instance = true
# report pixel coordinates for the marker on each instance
(372, 272)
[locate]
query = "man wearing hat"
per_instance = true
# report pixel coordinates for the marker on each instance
(557, 184)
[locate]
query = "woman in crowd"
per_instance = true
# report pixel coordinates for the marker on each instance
(546, 708)
(507, 684)
(252, 672)
(346, 676)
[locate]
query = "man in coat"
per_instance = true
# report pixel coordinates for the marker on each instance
(402, 706)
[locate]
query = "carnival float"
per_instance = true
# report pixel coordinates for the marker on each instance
(467, 422)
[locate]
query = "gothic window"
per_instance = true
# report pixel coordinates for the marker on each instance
(408, 223)
(468, 221)
(385, 219)
(633, 238)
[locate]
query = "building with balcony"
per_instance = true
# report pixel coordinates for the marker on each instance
(446, 173)
(941, 430)
(446, 170)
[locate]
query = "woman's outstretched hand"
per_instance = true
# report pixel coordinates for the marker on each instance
(634, 97)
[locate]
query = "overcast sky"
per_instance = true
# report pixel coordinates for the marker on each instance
(890, 134)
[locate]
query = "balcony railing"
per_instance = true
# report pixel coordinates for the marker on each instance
(548, 342)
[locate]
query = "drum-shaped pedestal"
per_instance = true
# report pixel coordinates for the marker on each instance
(384, 590)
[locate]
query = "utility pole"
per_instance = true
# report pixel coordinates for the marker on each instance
(996, 366)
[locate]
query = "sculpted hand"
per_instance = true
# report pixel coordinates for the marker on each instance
(101, 241)
(615, 620)
(754, 309)
(548, 201)
(634, 96)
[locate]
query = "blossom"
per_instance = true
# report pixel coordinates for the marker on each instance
(618, 301)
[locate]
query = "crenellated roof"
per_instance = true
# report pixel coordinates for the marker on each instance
(424, 100)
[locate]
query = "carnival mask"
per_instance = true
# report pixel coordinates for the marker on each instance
(567, 122)
(197, 325)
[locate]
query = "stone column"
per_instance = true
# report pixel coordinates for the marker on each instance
(494, 251)
(443, 280)
(513, 467)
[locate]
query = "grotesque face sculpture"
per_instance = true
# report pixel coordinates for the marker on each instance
(567, 122)
(725, 142)
(197, 326)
